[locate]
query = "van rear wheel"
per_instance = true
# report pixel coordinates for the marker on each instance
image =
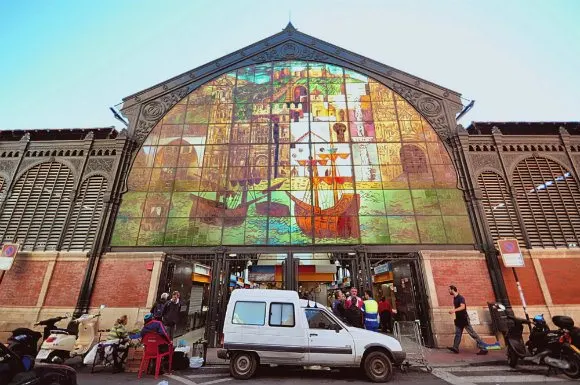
(378, 367)
(243, 365)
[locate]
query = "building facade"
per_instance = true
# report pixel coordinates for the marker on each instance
(291, 163)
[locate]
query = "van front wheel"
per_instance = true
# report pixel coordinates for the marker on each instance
(378, 367)
(243, 365)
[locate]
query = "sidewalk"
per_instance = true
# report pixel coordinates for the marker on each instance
(441, 358)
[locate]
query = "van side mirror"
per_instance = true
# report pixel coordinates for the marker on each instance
(337, 328)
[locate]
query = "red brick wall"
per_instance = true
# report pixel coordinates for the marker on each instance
(121, 283)
(64, 287)
(528, 280)
(469, 275)
(22, 283)
(563, 280)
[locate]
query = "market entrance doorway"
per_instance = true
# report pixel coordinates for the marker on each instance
(399, 279)
(313, 275)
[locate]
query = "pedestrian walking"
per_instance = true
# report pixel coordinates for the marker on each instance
(171, 313)
(462, 322)
(386, 315)
(159, 307)
(371, 312)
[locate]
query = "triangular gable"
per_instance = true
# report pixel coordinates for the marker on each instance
(436, 104)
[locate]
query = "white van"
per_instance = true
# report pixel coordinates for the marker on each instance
(264, 327)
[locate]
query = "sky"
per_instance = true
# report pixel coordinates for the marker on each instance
(64, 63)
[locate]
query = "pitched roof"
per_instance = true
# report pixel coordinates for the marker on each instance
(46, 134)
(523, 128)
(289, 44)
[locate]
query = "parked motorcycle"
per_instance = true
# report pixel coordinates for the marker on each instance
(570, 348)
(75, 340)
(545, 346)
(13, 371)
(20, 369)
(24, 341)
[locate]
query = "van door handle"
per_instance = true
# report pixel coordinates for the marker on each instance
(313, 335)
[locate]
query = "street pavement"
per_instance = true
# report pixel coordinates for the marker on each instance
(455, 375)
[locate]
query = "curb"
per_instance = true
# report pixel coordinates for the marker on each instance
(474, 364)
(489, 363)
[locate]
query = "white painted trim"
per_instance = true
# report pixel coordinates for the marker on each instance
(45, 282)
(543, 284)
(431, 288)
(155, 276)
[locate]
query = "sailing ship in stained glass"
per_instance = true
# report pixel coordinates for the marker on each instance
(289, 153)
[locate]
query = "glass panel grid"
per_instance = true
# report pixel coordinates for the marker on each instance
(292, 153)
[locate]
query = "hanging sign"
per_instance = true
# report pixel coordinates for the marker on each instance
(7, 255)
(510, 252)
(384, 268)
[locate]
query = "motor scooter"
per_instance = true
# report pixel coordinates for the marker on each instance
(24, 341)
(544, 347)
(570, 344)
(50, 325)
(76, 340)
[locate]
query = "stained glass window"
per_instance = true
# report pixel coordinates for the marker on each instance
(292, 153)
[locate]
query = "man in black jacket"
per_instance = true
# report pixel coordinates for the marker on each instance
(171, 313)
(159, 307)
(462, 322)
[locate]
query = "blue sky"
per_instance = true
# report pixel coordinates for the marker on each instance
(63, 63)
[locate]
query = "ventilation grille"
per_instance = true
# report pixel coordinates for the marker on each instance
(2, 186)
(499, 209)
(86, 215)
(548, 198)
(37, 208)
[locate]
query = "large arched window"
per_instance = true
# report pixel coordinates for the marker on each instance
(36, 210)
(499, 209)
(86, 214)
(292, 153)
(549, 201)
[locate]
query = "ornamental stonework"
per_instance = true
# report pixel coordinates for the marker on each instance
(104, 165)
(429, 107)
(154, 110)
(290, 51)
(484, 161)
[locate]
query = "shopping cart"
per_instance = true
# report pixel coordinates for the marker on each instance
(409, 335)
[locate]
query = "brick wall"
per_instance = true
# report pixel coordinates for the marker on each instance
(563, 280)
(65, 284)
(121, 283)
(469, 275)
(529, 282)
(22, 283)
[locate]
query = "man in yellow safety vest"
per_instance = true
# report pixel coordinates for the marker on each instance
(371, 312)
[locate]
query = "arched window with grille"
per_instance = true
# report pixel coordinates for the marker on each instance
(86, 215)
(499, 210)
(548, 198)
(37, 207)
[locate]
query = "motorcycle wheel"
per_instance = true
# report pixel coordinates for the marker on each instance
(574, 370)
(512, 357)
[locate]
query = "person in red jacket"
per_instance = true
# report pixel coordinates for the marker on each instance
(154, 326)
(385, 314)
